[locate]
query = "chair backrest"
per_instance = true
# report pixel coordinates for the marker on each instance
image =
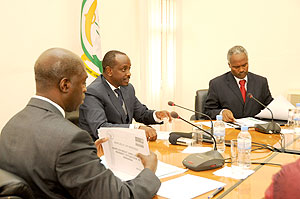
(12, 186)
(200, 99)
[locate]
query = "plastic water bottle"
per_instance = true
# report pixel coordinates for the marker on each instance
(297, 119)
(219, 133)
(244, 148)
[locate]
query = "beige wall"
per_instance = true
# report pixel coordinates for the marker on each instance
(268, 29)
(32, 26)
(205, 31)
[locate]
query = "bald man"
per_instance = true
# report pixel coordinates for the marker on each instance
(55, 157)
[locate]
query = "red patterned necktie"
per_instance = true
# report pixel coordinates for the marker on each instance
(242, 88)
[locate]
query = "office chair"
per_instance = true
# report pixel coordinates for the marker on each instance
(13, 187)
(200, 99)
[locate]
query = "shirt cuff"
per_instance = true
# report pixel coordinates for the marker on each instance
(155, 118)
(134, 126)
(221, 111)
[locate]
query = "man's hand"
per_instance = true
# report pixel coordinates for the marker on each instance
(149, 161)
(150, 133)
(163, 114)
(98, 144)
(227, 116)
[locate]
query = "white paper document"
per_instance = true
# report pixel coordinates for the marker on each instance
(163, 135)
(187, 186)
(279, 106)
(233, 172)
(208, 124)
(121, 149)
(198, 149)
(165, 170)
(249, 121)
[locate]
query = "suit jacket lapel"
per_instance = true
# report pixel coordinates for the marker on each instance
(250, 87)
(234, 87)
(114, 100)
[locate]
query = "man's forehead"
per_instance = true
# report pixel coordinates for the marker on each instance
(122, 60)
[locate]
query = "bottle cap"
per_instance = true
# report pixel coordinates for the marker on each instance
(244, 128)
(219, 117)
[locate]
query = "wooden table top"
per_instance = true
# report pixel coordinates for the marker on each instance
(171, 154)
(256, 184)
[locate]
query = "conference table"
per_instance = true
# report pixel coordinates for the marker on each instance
(252, 187)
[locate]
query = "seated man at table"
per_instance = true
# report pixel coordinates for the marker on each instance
(227, 94)
(285, 183)
(54, 156)
(111, 102)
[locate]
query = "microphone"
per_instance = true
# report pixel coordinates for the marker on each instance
(170, 103)
(202, 161)
(272, 126)
(180, 138)
(176, 116)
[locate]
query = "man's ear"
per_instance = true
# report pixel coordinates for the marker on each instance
(108, 70)
(64, 85)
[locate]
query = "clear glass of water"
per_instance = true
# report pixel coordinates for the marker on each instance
(291, 118)
(197, 136)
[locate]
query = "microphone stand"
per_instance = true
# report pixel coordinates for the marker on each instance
(202, 161)
(211, 122)
(215, 143)
(271, 126)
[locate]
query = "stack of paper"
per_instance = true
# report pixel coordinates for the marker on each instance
(279, 106)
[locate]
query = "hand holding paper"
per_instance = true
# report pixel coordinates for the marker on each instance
(98, 144)
(150, 133)
(121, 151)
(149, 161)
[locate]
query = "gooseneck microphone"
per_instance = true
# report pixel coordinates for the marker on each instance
(271, 126)
(170, 103)
(202, 161)
(251, 97)
(176, 116)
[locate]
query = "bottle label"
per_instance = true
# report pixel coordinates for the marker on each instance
(219, 131)
(244, 144)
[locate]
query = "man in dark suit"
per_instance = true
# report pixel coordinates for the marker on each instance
(111, 102)
(57, 158)
(227, 94)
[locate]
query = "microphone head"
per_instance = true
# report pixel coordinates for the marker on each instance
(174, 115)
(170, 103)
(173, 138)
(250, 95)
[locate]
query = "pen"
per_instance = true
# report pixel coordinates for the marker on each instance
(218, 190)
(231, 125)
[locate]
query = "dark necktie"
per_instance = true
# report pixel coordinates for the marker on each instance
(118, 91)
(242, 88)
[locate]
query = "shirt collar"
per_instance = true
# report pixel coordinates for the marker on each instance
(238, 80)
(51, 102)
(111, 86)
